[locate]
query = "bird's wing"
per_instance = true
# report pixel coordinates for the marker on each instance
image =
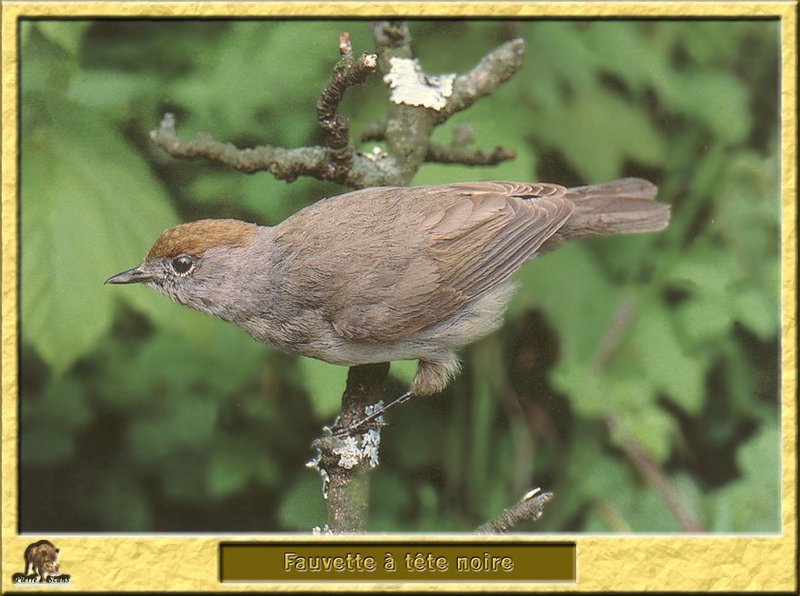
(410, 257)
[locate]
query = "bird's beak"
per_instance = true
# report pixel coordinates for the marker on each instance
(131, 276)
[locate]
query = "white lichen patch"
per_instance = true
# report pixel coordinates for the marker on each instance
(326, 482)
(313, 464)
(371, 440)
(349, 453)
(411, 86)
(370, 61)
(376, 154)
(370, 447)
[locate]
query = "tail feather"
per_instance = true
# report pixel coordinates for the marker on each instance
(624, 206)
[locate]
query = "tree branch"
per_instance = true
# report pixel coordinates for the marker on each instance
(284, 164)
(491, 72)
(529, 508)
(345, 462)
(346, 73)
(374, 131)
(336, 162)
(465, 155)
(408, 128)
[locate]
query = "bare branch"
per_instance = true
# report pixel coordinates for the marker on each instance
(392, 40)
(529, 508)
(346, 73)
(493, 70)
(465, 155)
(374, 131)
(284, 164)
(337, 162)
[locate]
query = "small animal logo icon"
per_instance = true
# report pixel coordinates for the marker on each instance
(41, 558)
(41, 565)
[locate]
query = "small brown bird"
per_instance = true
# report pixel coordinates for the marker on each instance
(387, 273)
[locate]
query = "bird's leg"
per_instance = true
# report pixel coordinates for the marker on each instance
(351, 428)
(432, 377)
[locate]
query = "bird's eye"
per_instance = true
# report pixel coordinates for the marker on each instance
(182, 264)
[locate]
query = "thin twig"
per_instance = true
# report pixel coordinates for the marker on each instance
(346, 73)
(374, 131)
(494, 69)
(654, 475)
(284, 164)
(337, 161)
(392, 40)
(465, 155)
(528, 508)
(623, 316)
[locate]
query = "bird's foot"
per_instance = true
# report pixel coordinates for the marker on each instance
(373, 418)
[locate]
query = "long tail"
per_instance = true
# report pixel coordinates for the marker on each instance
(625, 206)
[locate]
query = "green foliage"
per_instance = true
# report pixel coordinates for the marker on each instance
(663, 345)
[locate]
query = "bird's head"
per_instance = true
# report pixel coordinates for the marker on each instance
(193, 263)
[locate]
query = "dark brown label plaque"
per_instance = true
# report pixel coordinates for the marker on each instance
(397, 562)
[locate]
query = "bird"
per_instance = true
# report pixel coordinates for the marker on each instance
(386, 273)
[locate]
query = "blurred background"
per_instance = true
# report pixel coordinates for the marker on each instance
(636, 377)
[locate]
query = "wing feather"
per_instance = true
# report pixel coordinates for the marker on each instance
(432, 249)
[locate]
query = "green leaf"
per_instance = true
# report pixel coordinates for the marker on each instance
(46, 445)
(182, 475)
(717, 99)
(63, 403)
(226, 472)
(88, 206)
(667, 364)
(758, 311)
(494, 125)
(581, 311)
(390, 499)
(752, 503)
(113, 92)
(53, 420)
(598, 132)
(67, 34)
(650, 426)
(626, 49)
(249, 71)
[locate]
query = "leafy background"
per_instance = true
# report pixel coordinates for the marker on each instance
(636, 377)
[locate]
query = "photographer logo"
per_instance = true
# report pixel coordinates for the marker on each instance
(41, 565)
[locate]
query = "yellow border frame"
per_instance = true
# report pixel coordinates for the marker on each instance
(190, 563)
